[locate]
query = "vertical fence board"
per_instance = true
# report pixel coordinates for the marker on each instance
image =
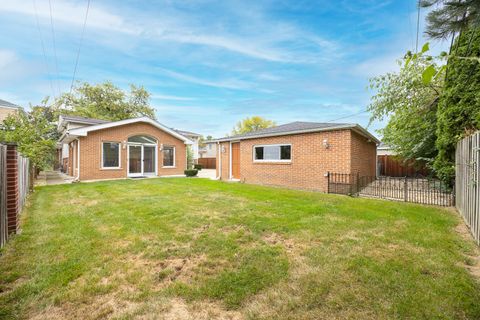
(467, 180)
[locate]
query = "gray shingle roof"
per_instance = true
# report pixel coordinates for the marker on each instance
(84, 119)
(296, 126)
(186, 133)
(7, 104)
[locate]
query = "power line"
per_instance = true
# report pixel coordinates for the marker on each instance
(43, 48)
(418, 25)
(80, 46)
(349, 116)
(54, 45)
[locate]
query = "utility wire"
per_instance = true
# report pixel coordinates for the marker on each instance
(349, 116)
(418, 25)
(80, 46)
(54, 45)
(43, 48)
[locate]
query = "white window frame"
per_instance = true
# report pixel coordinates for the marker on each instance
(174, 157)
(272, 161)
(119, 156)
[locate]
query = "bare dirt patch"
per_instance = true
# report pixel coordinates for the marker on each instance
(472, 260)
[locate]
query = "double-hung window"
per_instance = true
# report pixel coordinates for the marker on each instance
(272, 153)
(110, 155)
(168, 156)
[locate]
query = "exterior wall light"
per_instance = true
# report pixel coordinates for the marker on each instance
(325, 144)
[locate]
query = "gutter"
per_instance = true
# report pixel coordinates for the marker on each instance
(356, 127)
(219, 161)
(78, 159)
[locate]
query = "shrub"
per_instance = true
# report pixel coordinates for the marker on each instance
(198, 167)
(191, 172)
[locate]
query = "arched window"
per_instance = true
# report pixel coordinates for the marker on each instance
(142, 139)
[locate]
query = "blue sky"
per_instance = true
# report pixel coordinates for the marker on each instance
(209, 64)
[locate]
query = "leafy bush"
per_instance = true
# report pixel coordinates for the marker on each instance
(198, 167)
(459, 107)
(191, 172)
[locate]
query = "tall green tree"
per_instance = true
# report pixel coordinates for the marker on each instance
(106, 101)
(408, 99)
(252, 124)
(459, 107)
(450, 17)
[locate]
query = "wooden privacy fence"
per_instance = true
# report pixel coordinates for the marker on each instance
(418, 190)
(467, 179)
(207, 163)
(15, 185)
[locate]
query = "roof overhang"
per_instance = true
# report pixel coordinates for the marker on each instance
(354, 127)
(73, 134)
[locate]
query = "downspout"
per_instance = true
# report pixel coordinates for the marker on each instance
(219, 152)
(78, 159)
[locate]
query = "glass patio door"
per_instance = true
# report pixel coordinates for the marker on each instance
(135, 160)
(149, 160)
(141, 160)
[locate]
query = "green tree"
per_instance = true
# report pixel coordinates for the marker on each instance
(106, 101)
(409, 99)
(35, 134)
(459, 106)
(252, 124)
(451, 17)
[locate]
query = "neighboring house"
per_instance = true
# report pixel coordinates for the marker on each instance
(297, 155)
(7, 108)
(95, 149)
(389, 164)
(195, 138)
(209, 150)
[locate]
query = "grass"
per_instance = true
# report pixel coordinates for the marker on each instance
(200, 249)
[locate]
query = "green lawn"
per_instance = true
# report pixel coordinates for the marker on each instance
(201, 249)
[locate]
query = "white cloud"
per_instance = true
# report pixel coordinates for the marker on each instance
(7, 58)
(170, 97)
(225, 83)
(265, 45)
(70, 13)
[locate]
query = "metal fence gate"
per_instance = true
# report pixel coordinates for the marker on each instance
(418, 190)
(467, 179)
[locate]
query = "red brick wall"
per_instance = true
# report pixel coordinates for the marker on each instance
(12, 189)
(91, 146)
(364, 155)
(348, 152)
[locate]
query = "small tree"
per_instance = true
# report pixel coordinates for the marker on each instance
(189, 157)
(252, 124)
(409, 100)
(34, 133)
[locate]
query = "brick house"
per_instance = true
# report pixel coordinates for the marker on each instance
(93, 149)
(297, 155)
(8, 108)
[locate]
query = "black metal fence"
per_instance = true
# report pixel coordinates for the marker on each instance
(418, 190)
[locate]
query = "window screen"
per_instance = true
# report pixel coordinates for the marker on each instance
(168, 156)
(111, 154)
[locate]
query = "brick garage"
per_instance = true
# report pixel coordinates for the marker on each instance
(315, 149)
(85, 160)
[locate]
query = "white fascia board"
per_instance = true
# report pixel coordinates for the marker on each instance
(85, 130)
(355, 127)
(286, 133)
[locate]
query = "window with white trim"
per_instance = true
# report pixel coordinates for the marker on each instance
(111, 155)
(168, 156)
(277, 152)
